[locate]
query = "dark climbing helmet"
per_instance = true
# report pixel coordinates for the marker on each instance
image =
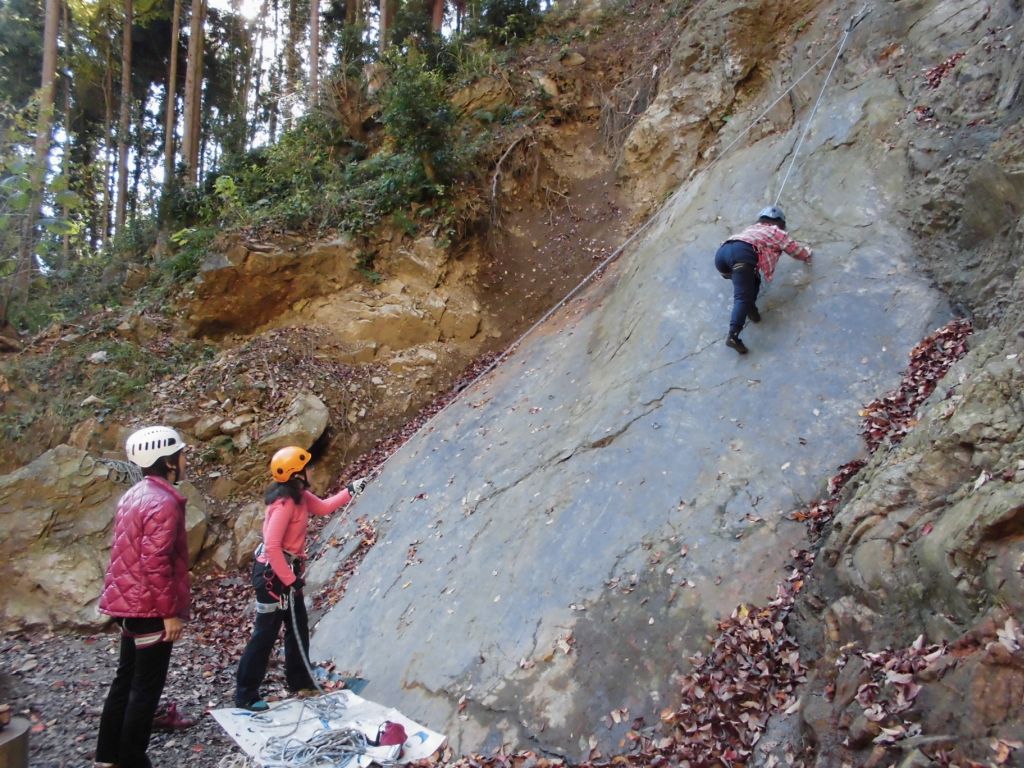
(773, 212)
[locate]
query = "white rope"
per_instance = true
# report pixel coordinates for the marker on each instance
(330, 747)
(854, 21)
(327, 747)
(236, 760)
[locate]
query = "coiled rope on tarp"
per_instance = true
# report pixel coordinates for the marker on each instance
(327, 747)
(330, 747)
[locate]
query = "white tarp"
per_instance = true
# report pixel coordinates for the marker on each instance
(304, 719)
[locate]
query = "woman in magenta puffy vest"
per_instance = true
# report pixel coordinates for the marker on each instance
(146, 591)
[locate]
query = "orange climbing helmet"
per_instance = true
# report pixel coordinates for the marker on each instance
(287, 462)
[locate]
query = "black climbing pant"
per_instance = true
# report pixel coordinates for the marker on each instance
(737, 261)
(127, 720)
(253, 665)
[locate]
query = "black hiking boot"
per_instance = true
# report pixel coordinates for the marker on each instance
(753, 314)
(736, 343)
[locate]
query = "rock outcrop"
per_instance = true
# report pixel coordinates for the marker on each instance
(56, 514)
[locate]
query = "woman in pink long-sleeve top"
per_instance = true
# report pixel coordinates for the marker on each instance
(277, 576)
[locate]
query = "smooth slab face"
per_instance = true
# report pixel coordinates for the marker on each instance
(559, 541)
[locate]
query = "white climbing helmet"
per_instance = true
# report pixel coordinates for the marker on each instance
(773, 212)
(150, 443)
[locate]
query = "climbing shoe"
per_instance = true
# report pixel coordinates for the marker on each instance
(255, 706)
(753, 314)
(736, 343)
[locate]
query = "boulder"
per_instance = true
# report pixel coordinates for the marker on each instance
(306, 419)
(422, 266)
(57, 514)
(461, 319)
(247, 533)
(208, 427)
(98, 437)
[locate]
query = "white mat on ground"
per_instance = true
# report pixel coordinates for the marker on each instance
(303, 719)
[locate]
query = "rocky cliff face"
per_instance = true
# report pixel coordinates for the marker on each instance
(930, 542)
(555, 547)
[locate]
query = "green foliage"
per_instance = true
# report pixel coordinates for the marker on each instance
(133, 243)
(417, 115)
(402, 221)
(62, 380)
(365, 266)
(465, 60)
(21, 46)
(17, 194)
(377, 186)
(507, 21)
(192, 245)
(356, 49)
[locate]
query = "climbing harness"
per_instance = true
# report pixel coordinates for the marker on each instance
(263, 575)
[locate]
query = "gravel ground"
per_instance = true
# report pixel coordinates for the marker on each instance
(59, 682)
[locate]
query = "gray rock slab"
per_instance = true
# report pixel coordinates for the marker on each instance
(584, 515)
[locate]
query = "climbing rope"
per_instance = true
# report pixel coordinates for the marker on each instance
(236, 760)
(854, 21)
(330, 747)
(327, 747)
(841, 44)
(298, 642)
(123, 472)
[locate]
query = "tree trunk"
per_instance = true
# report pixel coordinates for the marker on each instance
(25, 264)
(139, 147)
(170, 121)
(314, 53)
(108, 119)
(275, 75)
(193, 93)
(66, 164)
(124, 123)
(261, 34)
(385, 23)
(437, 16)
(292, 64)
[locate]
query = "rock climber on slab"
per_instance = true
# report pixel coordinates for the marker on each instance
(745, 257)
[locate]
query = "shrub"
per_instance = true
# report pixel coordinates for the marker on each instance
(192, 244)
(417, 115)
(507, 21)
